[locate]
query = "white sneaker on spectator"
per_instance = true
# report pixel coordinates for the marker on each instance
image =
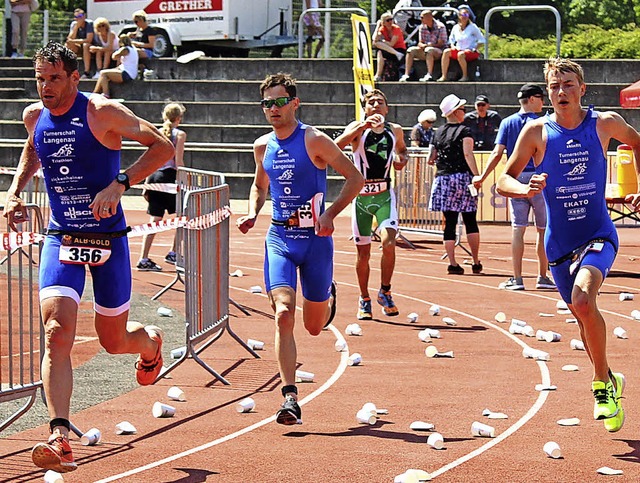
(15, 55)
(512, 284)
(426, 78)
(404, 78)
(96, 75)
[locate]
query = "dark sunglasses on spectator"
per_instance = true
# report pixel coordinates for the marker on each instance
(464, 14)
(79, 15)
(389, 20)
(481, 104)
(278, 102)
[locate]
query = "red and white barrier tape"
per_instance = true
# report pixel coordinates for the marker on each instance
(13, 240)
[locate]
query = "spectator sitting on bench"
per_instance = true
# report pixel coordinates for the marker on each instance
(389, 41)
(464, 42)
(80, 38)
(127, 57)
(104, 44)
(144, 37)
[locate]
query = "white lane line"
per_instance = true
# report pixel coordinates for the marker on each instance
(542, 396)
(78, 340)
(334, 377)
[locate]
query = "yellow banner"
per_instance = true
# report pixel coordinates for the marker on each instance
(362, 61)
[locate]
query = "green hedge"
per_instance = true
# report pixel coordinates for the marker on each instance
(585, 42)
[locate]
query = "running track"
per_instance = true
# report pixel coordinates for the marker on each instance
(209, 441)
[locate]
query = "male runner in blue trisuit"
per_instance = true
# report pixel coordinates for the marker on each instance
(76, 137)
(291, 162)
(569, 151)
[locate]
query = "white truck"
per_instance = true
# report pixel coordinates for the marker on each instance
(217, 27)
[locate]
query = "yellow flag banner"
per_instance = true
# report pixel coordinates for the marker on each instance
(362, 61)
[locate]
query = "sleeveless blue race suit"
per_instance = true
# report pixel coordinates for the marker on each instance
(576, 207)
(76, 167)
(294, 180)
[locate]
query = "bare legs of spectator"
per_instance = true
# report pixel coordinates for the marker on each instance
(86, 57)
(432, 54)
(106, 76)
(462, 60)
(446, 56)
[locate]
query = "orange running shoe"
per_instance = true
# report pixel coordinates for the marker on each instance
(147, 371)
(54, 455)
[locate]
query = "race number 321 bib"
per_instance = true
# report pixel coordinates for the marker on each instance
(84, 249)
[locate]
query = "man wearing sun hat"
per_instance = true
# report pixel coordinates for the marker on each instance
(531, 98)
(422, 133)
(483, 123)
(455, 168)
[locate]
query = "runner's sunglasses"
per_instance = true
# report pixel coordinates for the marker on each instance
(278, 102)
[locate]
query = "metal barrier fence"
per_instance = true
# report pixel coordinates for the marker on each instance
(45, 25)
(21, 340)
(206, 269)
(188, 179)
(413, 190)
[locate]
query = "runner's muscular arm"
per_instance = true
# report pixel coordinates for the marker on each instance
(110, 122)
(14, 209)
(259, 188)
(612, 125)
(529, 144)
(324, 152)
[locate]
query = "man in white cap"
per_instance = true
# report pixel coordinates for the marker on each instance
(531, 98)
(422, 133)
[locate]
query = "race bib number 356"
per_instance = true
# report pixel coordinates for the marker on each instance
(86, 251)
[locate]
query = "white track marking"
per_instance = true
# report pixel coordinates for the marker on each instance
(328, 383)
(541, 399)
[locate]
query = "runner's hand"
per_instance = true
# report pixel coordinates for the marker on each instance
(15, 211)
(537, 184)
(245, 223)
(324, 225)
(634, 199)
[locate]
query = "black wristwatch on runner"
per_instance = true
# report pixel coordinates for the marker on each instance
(123, 179)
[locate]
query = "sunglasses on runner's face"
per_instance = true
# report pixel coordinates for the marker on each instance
(278, 102)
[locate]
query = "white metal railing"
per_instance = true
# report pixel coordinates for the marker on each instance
(327, 26)
(521, 8)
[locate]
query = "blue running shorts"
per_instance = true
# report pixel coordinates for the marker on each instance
(287, 250)
(602, 260)
(111, 281)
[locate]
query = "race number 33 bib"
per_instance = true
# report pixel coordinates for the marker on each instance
(84, 249)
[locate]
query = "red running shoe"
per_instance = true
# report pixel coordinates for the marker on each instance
(54, 455)
(147, 371)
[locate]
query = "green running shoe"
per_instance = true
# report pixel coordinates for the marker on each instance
(605, 405)
(615, 423)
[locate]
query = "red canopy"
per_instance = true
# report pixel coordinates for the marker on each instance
(630, 96)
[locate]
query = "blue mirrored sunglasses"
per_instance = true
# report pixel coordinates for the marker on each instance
(278, 102)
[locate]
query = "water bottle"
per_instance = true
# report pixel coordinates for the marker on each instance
(478, 74)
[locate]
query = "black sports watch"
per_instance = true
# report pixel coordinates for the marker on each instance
(123, 179)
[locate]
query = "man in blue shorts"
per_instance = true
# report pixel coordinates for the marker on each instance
(569, 151)
(291, 164)
(378, 147)
(531, 97)
(76, 137)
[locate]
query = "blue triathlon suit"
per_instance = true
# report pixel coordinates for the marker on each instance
(576, 206)
(76, 167)
(294, 180)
